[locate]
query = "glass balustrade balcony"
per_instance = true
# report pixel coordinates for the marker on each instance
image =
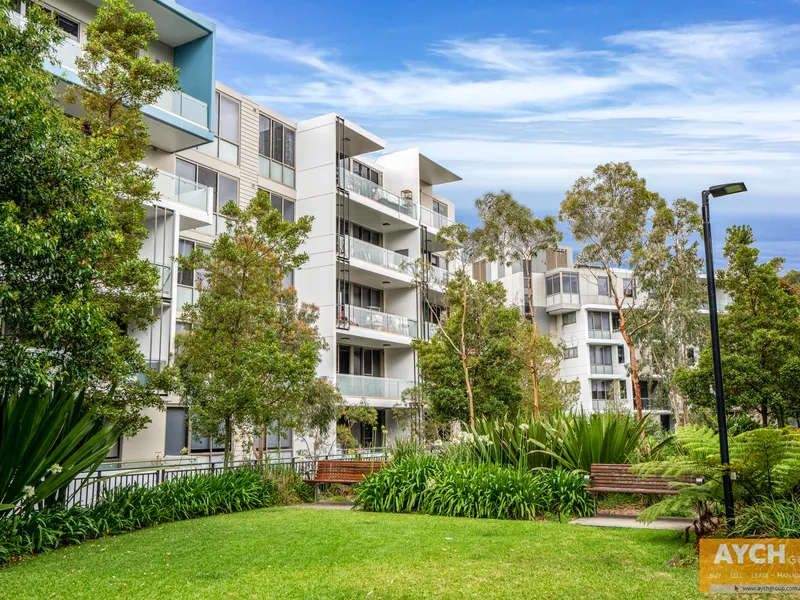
(602, 370)
(600, 334)
(433, 220)
(182, 191)
(372, 191)
(372, 387)
(379, 321)
(438, 276)
(178, 103)
(431, 329)
(375, 255)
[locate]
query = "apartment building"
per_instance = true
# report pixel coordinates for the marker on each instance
(574, 303)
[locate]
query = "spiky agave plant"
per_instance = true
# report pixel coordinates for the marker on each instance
(48, 436)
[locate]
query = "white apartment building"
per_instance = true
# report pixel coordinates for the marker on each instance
(574, 304)
(372, 219)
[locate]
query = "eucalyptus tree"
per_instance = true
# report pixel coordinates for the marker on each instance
(624, 227)
(511, 234)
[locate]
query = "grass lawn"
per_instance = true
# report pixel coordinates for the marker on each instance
(301, 553)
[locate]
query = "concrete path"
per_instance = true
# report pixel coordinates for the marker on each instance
(326, 505)
(630, 522)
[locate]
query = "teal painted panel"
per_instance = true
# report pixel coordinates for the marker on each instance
(195, 61)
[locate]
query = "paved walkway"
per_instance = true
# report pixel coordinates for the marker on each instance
(630, 522)
(326, 505)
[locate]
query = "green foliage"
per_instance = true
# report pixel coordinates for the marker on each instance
(766, 463)
(759, 338)
(778, 519)
(134, 507)
(47, 437)
(349, 416)
(468, 368)
(71, 214)
(250, 358)
(441, 486)
(572, 441)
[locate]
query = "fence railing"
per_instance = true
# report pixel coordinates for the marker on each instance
(89, 489)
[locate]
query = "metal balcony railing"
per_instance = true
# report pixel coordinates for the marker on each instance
(380, 321)
(372, 387)
(372, 191)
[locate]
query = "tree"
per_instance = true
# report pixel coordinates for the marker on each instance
(672, 341)
(251, 356)
(70, 214)
(623, 225)
(759, 338)
(468, 367)
(510, 233)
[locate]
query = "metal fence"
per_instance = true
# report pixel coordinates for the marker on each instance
(88, 489)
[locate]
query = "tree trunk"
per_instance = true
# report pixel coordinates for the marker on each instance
(764, 415)
(637, 394)
(228, 435)
(535, 384)
(468, 383)
(534, 333)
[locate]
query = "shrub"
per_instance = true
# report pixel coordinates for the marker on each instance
(458, 488)
(134, 507)
(779, 519)
(573, 441)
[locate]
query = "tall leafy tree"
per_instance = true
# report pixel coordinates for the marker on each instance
(510, 233)
(624, 227)
(251, 356)
(759, 337)
(468, 368)
(71, 281)
(672, 341)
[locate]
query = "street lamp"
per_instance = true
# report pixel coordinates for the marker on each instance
(716, 191)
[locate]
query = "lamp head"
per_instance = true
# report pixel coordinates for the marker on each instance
(726, 189)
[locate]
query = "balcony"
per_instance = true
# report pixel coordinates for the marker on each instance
(602, 369)
(176, 120)
(438, 276)
(655, 403)
(433, 220)
(431, 329)
(186, 295)
(380, 321)
(372, 191)
(372, 387)
(194, 200)
(360, 250)
(557, 304)
(165, 280)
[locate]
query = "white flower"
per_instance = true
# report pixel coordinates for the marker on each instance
(483, 438)
(184, 450)
(438, 443)
(430, 484)
(56, 469)
(524, 426)
(28, 491)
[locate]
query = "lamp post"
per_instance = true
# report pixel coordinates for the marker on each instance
(727, 488)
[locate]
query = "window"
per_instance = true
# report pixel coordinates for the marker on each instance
(629, 286)
(186, 278)
(276, 147)
(601, 392)
(599, 323)
(602, 287)
(285, 206)
(569, 318)
(273, 438)
(615, 322)
(366, 235)
(440, 208)
(344, 360)
(621, 354)
(571, 352)
(114, 451)
(69, 26)
(366, 297)
(570, 283)
(479, 271)
(552, 284)
(226, 128)
(690, 357)
(225, 188)
(600, 355)
(367, 173)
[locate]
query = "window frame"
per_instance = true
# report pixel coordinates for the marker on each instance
(573, 320)
(571, 352)
(269, 141)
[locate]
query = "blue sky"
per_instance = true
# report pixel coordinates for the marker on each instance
(528, 96)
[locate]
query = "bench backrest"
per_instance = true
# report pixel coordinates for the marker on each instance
(347, 470)
(620, 476)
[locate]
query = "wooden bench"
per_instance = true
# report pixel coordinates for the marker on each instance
(618, 479)
(346, 472)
